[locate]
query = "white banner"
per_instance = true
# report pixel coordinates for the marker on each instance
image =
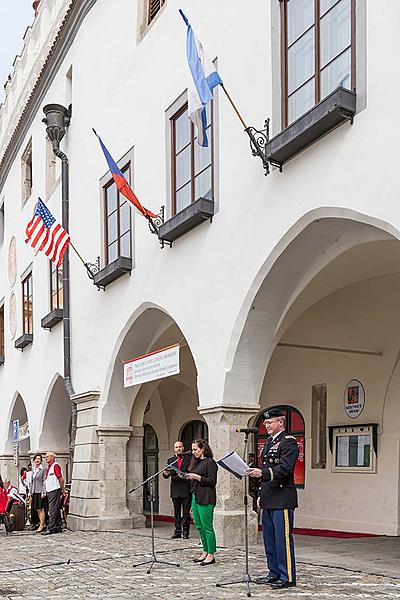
(156, 365)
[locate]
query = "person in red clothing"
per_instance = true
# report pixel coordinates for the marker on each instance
(54, 484)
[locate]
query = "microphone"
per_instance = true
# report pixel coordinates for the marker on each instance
(246, 429)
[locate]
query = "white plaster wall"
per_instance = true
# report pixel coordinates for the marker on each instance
(123, 89)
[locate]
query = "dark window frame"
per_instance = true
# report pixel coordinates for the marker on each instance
(317, 45)
(153, 8)
(27, 299)
(57, 293)
(127, 167)
(192, 142)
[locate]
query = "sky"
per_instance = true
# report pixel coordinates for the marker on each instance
(15, 17)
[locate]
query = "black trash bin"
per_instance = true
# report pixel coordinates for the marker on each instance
(18, 510)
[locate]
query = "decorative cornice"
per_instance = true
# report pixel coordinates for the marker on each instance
(231, 408)
(74, 17)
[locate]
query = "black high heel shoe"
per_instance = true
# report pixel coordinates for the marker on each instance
(205, 564)
(198, 560)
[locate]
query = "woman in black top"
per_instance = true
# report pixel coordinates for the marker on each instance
(203, 477)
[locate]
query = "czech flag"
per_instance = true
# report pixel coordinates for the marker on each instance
(123, 186)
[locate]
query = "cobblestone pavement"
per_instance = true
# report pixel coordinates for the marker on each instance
(35, 567)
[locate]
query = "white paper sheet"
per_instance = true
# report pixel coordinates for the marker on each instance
(234, 464)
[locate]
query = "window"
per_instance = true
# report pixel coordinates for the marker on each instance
(56, 287)
(118, 221)
(2, 341)
(154, 7)
(27, 305)
(317, 52)
(294, 426)
(353, 449)
(150, 467)
(192, 174)
(2, 224)
(318, 427)
(26, 173)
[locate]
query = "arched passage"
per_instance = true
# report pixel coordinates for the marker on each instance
(17, 412)
(56, 425)
(326, 314)
(163, 404)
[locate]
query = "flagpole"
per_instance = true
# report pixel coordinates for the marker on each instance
(91, 269)
(234, 107)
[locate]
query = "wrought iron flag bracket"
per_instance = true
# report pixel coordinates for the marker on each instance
(155, 224)
(92, 269)
(258, 145)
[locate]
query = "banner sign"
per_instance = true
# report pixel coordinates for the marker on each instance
(156, 365)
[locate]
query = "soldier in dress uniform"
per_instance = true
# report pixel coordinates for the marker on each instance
(278, 499)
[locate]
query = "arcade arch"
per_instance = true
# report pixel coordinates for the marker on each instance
(325, 313)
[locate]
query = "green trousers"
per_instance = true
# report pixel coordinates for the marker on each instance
(203, 519)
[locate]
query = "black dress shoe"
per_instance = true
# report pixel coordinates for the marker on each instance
(279, 585)
(175, 536)
(210, 562)
(48, 532)
(266, 580)
(185, 536)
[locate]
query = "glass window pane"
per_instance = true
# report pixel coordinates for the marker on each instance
(202, 185)
(182, 174)
(336, 73)
(127, 173)
(325, 5)
(111, 198)
(300, 16)
(182, 131)
(125, 245)
(124, 218)
(335, 31)
(202, 156)
(183, 197)
(112, 227)
(60, 299)
(301, 101)
(301, 61)
(112, 252)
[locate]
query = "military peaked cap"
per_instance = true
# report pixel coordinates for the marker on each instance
(274, 412)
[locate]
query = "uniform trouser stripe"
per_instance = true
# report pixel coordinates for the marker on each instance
(287, 543)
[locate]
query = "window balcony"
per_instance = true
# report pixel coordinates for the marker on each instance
(52, 318)
(185, 220)
(25, 340)
(335, 109)
(113, 271)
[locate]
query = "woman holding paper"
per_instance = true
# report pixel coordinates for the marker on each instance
(203, 476)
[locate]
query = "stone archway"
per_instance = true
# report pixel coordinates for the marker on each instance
(110, 427)
(7, 467)
(55, 427)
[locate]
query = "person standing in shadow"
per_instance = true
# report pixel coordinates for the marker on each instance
(180, 491)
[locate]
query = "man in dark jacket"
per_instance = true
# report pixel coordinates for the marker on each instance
(180, 491)
(278, 499)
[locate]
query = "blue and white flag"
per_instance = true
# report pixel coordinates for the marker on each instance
(204, 79)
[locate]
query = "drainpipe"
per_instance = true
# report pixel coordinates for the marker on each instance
(57, 120)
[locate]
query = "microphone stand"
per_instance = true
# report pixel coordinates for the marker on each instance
(153, 558)
(246, 579)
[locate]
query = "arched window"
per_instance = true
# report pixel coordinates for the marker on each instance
(294, 426)
(150, 466)
(193, 430)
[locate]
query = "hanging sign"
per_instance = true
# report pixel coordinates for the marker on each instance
(354, 398)
(152, 366)
(15, 430)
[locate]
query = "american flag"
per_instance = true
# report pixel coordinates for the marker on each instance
(44, 233)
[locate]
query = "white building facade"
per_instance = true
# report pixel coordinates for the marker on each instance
(286, 297)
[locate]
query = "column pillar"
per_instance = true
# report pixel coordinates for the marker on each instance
(229, 513)
(114, 513)
(135, 476)
(84, 507)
